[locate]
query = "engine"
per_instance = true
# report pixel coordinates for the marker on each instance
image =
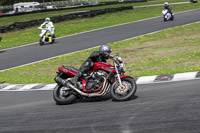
(96, 80)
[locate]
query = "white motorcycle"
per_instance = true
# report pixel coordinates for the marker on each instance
(46, 35)
(167, 16)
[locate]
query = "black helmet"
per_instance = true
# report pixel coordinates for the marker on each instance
(105, 48)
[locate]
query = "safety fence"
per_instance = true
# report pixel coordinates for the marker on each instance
(56, 19)
(76, 7)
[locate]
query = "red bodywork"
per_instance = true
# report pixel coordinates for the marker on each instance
(122, 76)
(66, 71)
(97, 66)
(104, 66)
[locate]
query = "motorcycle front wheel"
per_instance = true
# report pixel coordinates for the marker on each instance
(124, 92)
(164, 19)
(63, 95)
(41, 42)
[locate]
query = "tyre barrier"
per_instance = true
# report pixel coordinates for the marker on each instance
(75, 7)
(56, 19)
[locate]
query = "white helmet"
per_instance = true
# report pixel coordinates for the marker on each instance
(47, 19)
(166, 3)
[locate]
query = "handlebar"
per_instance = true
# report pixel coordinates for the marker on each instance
(111, 56)
(42, 28)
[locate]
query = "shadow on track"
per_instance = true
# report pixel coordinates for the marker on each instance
(2, 51)
(100, 99)
(47, 44)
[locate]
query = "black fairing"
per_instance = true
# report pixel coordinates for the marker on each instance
(91, 84)
(62, 75)
(110, 77)
(94, 83)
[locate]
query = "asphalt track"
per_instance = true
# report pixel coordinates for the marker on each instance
(23, 55)
(172, 107)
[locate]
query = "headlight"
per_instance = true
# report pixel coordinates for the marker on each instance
(122, 67)
(119, 59)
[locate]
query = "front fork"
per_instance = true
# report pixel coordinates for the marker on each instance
(44, 37)
(118, 75)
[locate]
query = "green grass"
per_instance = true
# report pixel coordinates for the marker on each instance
(30, 35)
(166, 52)
(42, 15)
(152, 1)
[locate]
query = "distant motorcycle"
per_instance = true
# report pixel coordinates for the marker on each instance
(0, 40)
(46, 35)
(193, 1)
(167, 16)
(103, 79)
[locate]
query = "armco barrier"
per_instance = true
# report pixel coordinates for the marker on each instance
(84, 6)
(92, 13)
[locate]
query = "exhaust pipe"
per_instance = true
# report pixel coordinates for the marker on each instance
(61, 81)
(103, 91)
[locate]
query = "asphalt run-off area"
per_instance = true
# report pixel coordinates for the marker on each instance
(167, 107)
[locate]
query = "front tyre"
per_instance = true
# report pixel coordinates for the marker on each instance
(164, 19)
(124, 92)
(41, 41)
(63, 95)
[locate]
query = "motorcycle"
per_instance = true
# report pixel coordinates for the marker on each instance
(46, 35)
(104, 79)
(0, 40)
(167, 16)
(193, 1)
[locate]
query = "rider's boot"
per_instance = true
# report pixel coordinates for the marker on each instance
(76, 77)
(50, 39)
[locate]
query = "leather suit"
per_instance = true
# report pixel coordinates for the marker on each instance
(96, 56)
(168, 8)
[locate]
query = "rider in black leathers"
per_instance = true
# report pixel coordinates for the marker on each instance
(97, 56)
(166, 6)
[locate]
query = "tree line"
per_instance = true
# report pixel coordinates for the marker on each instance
(11, 2)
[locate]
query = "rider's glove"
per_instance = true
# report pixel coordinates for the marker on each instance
(106, 55)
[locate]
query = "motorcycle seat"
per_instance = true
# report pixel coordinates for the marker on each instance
(73, 69)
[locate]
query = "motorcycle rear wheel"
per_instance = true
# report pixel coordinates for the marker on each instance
(62, 100)
(172, 17)
(126, 92)
(53, 39)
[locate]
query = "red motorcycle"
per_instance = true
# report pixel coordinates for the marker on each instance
(103, 79)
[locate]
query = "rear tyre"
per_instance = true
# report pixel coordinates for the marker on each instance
(53, 39)
(172, 17)
(63, 97)
(127, 91)
(41, 42)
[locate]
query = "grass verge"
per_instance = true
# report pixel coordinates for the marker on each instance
(30, 35)
(165, 52)
(9, 20)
